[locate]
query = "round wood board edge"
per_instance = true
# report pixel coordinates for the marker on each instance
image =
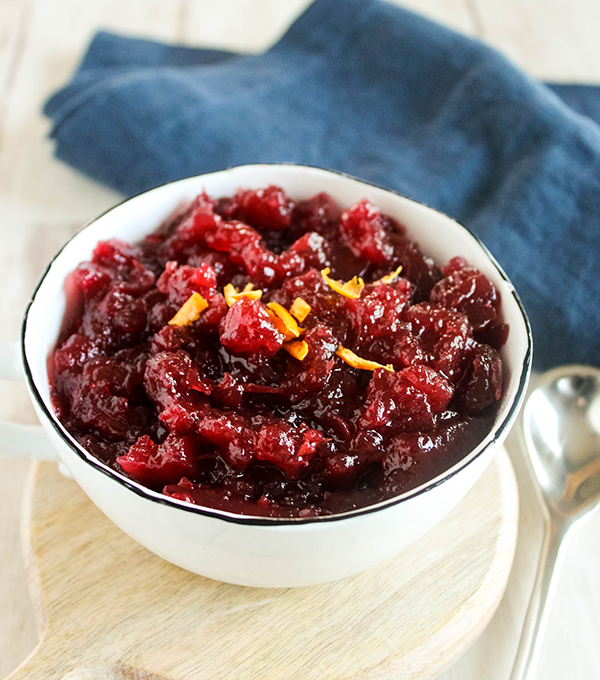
(424, 658)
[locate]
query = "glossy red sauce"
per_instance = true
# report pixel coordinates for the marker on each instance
(221, 411)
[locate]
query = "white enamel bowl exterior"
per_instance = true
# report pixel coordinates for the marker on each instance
(253, 551)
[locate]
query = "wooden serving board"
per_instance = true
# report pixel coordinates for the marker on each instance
(109, 610)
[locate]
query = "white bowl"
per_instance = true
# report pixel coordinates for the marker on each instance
(256, 551)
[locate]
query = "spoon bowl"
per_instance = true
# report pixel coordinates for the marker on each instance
(561, 426)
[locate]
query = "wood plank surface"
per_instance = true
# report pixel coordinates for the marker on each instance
(554, 40)
(43, 201)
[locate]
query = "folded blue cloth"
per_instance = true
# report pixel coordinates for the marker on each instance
(385, 95)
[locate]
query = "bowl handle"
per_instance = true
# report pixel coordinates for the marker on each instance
(16, 440)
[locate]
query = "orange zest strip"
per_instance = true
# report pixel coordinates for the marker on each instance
(190, 310)
(297, 348)
(300, 309)
(350, 289)
(232, 295)
(389, 278)
(283, 321)
(357, 362)
(229, 291)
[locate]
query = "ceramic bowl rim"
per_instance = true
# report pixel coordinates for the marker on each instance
(501, 428)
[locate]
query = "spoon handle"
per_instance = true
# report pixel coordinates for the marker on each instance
(544, 588)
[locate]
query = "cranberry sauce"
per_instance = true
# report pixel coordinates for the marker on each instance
(278, 358)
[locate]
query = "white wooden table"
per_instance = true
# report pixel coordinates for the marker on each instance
(42, 202)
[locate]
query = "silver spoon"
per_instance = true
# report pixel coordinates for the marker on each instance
(561, 424)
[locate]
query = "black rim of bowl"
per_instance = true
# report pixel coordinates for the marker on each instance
(154, 496)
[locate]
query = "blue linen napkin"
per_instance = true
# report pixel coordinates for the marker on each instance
(375, 91)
